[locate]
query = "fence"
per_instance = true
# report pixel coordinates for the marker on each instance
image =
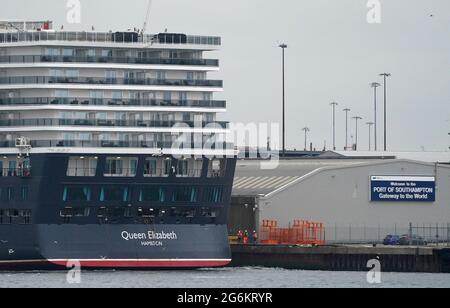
(438, 234)
(301, 233)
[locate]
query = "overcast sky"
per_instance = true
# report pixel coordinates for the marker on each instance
(333, 55)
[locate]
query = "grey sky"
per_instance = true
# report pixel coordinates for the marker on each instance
(333, 55)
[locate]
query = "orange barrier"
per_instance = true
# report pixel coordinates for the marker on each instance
(302, 233)
(268, 232)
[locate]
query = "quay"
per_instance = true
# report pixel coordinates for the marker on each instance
(343, 258)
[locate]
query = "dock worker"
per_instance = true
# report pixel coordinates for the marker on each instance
(255, 237)
(240, 236)
(246, 237)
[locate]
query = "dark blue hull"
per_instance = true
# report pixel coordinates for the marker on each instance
(98, 234)
(114, 246)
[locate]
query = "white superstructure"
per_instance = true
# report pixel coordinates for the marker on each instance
(107, 92)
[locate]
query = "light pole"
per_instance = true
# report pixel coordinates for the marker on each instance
(334, 104)
(385, 76)
(370, 124)
(346, 110)
(306, 130)
(375, 85)
(283, 48)
(356, 118)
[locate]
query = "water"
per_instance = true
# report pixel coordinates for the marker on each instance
(223, 278)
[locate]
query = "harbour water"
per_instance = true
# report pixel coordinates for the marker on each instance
(222, 278)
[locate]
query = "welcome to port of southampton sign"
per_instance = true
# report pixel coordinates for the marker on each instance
(403, 189)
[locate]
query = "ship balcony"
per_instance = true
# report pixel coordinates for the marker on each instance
(111, 81)
(15, 172)
(81, 172)
(132, 172)
(116, 144)
(156, 172)
(116, 60)
(109, 123)
(108, 37)
(114, 102)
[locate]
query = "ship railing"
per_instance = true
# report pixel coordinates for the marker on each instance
(189, 173)
(111, 81)
(15, 172)
(109, 123)
(97, 59)
(117, 144)
(216, 174)
(131, 172)
(84, 172)
(108, 37)
(120, 172)
(156, 172)
(112, 102)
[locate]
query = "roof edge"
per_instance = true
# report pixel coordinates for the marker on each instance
(356, 165)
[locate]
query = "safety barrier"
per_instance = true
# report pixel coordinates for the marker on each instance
(269, 232)
(302, 232)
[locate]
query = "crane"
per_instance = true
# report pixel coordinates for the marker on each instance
(147, 18)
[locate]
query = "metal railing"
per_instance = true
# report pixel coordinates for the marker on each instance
(114, 144)
(110, 81)
(156, 173)
(120, 172)
(105, 37)
(437, 233)
(81, 172)
(105, 123)
(216, 173)
(99, 59)
(15, 172)
(128, 172)
(189, 173)
(84, 101)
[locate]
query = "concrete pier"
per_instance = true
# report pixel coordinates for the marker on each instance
(344, 258)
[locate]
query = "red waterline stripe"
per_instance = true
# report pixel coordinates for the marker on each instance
(125, 263)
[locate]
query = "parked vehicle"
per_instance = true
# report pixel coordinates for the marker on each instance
(413, 240)
(392, 240)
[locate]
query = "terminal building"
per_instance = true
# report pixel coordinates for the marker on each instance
(360, 198)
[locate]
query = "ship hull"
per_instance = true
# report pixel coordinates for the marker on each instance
(98, 238)
(113, 246)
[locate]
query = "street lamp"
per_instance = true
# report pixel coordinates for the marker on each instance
(347, 110)
(385, 76)
(356, 118)
(283, 48)
(375, 85)
(306, 130)
(334, 104)
(370, 124)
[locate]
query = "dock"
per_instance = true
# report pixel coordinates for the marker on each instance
(343, 258)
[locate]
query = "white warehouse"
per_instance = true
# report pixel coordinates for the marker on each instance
(357, 199)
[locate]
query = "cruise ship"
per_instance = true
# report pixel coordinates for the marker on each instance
(111, 154)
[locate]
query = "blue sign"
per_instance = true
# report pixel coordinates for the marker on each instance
(403, 189)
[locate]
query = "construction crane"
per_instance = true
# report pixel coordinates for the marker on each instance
(147, 18)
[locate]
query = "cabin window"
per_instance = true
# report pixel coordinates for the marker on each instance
(82, 166)
(24, 193)
(213, 195)
(7, 194)
(185, 194)
(152, 194)
(121, 167)
(76, 193)
(115, 193)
